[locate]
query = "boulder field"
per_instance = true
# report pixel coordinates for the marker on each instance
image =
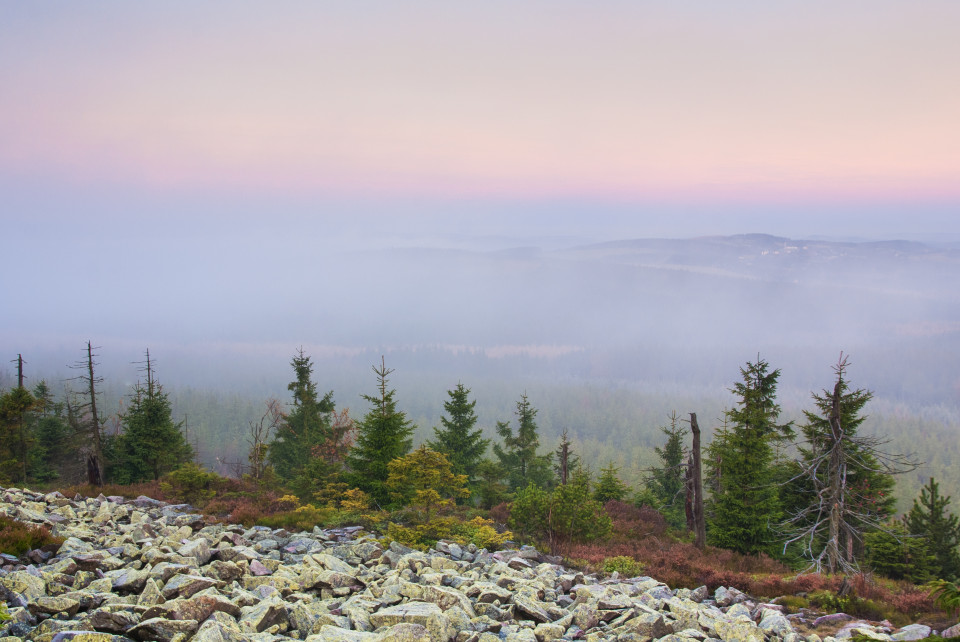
(146, 570)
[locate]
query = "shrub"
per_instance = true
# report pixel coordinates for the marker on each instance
(191, 483)
(946, 595)
(16, 538)
(623, 565)
(793, 603)
(481, 533)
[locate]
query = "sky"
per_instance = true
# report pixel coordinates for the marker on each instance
(629, 118)
(181, 166)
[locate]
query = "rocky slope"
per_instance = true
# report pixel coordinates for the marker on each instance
(145, 570)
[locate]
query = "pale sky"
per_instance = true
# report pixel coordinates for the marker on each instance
(239, 171)
(783, 109)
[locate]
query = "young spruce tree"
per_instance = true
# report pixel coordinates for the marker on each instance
(668, 482)
(463, 445)
(930, 519)
(295, 451)
(745, 504)
(383, 435)
(518, 455)
(151, 444)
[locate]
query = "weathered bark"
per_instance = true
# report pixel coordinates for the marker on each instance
(94, 459)
(836, 484)
(700, 527)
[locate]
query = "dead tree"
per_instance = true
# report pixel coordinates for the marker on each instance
(696, 481)
(259, 436)
(88, 422)
(836, 516)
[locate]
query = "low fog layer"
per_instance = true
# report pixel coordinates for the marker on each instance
(225, 312)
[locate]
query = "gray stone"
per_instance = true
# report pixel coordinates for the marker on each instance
(113, 621)
(912, 632)
(427, 615)
(160, 630)
(267, 613)
(185, 585)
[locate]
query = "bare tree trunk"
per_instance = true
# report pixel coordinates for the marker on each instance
(836, 489)
(689, 494)
(700, 529)
(94, 473)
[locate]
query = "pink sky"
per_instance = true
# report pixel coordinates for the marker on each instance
(786, 101)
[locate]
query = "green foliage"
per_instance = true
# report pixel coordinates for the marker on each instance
(15, 440)
(930, 519)
(463, 445)
(424, 478)
(567, 462)
(16, 538)
(623, 565)
(793, 603)
(478, 531)
(297, 450)
(851, 605)
(839, 469)
(490, 489)
(384, 434)
(4, 615)
(894, 553)
(151, 443)
(745, 502)
(668, 481)
(518, 455)
(192, 483)
(609, 486)
(566, 515)
(946, 595)
(51, 436)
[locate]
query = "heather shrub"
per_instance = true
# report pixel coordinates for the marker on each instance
(16, 538)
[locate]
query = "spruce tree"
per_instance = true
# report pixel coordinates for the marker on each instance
(463, 445)
(745, 503)
(930, 519)
(303, 431)
(567, 462)
(15, 407)
(151, 443)
(51, 435)
(841, 485)
(608, 486)
(668, 481)
(383, 434)
(518, 455)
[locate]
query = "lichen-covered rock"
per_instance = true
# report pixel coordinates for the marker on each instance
(113, 619)
(145, 570)
(738, 631)
(183, 585)
(428, 615)
(159, 629)
(23, 583)
(44, 605)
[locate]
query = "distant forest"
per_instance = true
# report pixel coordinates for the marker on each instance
(606, 423)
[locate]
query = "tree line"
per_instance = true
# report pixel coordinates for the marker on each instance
(816, 494)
